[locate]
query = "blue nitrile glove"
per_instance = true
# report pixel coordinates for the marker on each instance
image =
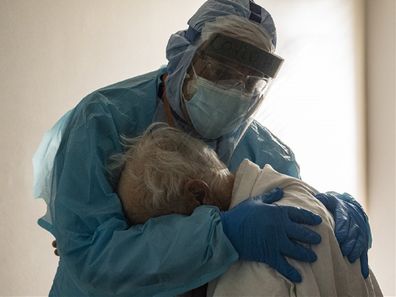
(352, 229)
(268, 233)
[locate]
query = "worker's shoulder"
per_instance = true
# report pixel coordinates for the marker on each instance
(129, 104)
(140, 91)
(137, 82)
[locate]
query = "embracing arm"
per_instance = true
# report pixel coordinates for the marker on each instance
(99, 251)
(167, 255)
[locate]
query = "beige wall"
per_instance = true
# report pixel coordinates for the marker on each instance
(321, 82)
(381, 112)
(53, 52)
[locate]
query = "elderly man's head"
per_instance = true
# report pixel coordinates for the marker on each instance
(166, 171)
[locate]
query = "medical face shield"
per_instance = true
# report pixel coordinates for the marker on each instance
(226, 83)
(240, 19)
(234, 51)
(233, 63)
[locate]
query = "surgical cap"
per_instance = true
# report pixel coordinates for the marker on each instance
(183, 44)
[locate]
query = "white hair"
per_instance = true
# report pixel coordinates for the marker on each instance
(155, 168)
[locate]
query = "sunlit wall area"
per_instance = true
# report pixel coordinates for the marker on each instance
(316, 105)
(381, 114)
(333, 103)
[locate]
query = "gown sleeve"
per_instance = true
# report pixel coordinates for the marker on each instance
(99, 252)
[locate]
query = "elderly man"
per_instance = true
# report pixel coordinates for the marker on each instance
(165, 171)
(218, 72)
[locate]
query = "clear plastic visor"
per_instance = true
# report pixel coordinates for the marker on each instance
(227, 76)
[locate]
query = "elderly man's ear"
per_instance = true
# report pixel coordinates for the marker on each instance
(197, 191)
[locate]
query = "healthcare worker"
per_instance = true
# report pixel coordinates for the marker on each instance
(218, 72)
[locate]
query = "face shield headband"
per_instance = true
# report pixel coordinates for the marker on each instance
(235, 51)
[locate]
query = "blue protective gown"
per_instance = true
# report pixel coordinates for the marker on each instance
(100, 255)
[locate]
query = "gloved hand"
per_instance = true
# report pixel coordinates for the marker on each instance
(352, 229)
(268, 233)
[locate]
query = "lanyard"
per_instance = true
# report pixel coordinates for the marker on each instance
(164, 98)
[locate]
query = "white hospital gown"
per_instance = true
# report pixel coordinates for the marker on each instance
(330, 275)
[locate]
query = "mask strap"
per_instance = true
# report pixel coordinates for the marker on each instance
(192, 34)
(255, 12)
